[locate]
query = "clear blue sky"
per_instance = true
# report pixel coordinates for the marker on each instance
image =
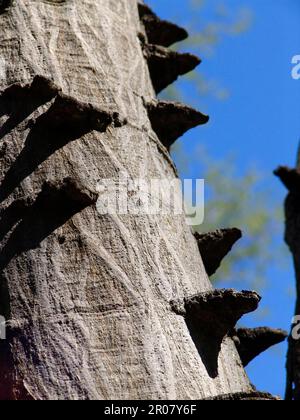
(259, 122)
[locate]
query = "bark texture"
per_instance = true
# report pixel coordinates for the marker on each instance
(87, 296)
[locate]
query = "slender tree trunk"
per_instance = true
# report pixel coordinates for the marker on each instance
(291, 179)
(89, 298)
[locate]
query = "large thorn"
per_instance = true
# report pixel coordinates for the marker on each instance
(67, 191)
(250, 396)
(211, 316)
(252, 342)
(217, 311)
(171, 120)
(160, 32)
(289, 177)
(214, 246)
(67, 113)
(55, 194)
(43, 87)
(166, 66)
(40, 91)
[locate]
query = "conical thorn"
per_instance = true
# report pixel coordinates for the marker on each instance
(245, 396)
(43, 87)
(68, 190)
(18, 96)
(217, 311)
(251, 343)
(166, 66)
(289, 177)
(214, 246)
(170, 120)
(67, 113)
(210, 317)
(160, 32)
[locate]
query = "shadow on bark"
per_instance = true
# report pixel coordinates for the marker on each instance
(65, 121)
(53, 207)
(11, 216)
(19, 102)
(12, 388)
(208, 346)
(6, 369)
(39, 146)
(34, 221)
(210, 316)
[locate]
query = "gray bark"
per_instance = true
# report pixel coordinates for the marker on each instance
(87, 297)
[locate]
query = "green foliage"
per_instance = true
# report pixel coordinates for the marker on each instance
(203, 40)
(245, 202)
(223, 22)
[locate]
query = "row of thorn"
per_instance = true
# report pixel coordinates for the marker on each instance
(214, 313)
(169, 120)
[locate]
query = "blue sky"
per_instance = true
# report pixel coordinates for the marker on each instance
(259, 122)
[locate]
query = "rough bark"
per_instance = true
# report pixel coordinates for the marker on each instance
(291, 179)
(87, 296)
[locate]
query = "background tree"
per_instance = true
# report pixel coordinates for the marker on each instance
(291, 179)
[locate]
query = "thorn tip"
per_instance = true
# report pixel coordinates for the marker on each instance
(251, 343)
(166, 66)
(214, 246)
(160, 32)
(170, 120)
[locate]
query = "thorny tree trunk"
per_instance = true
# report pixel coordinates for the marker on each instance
(291, 179)
(87, 297)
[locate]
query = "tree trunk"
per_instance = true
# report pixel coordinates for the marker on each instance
(87, 296)
(291, 179)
